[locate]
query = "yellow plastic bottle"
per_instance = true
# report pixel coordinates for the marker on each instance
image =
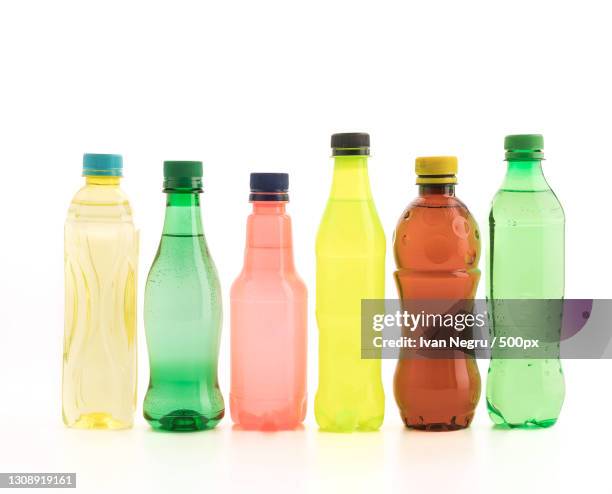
(101, 256)
(350, 253)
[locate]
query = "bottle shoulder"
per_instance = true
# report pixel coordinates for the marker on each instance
(184, 257)
(100, 194)
(353, 225)
(434, 212)
(100, 203)
(262, 285)
(437, 233)
(526, 206)
(437, 201)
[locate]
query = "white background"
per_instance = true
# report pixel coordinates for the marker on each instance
(259, 86)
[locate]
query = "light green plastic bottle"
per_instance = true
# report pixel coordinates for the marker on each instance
(525, 261)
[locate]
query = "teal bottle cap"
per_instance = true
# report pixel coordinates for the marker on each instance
(107, 165)
(524, 146)
(183, 175)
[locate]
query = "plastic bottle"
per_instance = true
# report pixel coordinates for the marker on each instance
(525, 261)
(101, 257)
(183, 313)
(350, 253)
(437, 248)
(268, 317)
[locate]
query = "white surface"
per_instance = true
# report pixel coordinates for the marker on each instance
(260, 86)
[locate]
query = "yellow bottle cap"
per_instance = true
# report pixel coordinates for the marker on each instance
(436, 170)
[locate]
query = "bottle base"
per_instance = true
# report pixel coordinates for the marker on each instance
(529, 423)
(267, 415)
(184, 421)
(348, 423)
(354, 410)
(532, 424)
(270, 421)
(455, 423)
(266, 424)
(98, 420)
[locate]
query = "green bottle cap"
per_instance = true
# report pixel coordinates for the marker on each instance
(183, 175)
(524, 146)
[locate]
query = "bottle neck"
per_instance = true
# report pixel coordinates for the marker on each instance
(269, 208)
(525, 175)
(102, 180)
(269, 239)
(437, 190)
(183, 216)
(351, 181)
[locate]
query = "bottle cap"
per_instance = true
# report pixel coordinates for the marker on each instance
(524, 146)
(183, 175)
(350, 144)
(436, 170)
(269, 187)
(107, 165)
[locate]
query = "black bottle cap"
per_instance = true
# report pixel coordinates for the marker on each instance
(269, 187)
(350, 144)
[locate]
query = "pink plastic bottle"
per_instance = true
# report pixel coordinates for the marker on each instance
(268, 317)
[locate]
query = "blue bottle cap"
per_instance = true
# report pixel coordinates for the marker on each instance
(269, 187)
(108, 165)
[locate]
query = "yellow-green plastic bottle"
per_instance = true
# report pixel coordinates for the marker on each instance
(101, 257)
(350, 254)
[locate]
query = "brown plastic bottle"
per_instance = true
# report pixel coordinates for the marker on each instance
(437, 248)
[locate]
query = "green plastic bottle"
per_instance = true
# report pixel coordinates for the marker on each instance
(182, 313)
(525, 261)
